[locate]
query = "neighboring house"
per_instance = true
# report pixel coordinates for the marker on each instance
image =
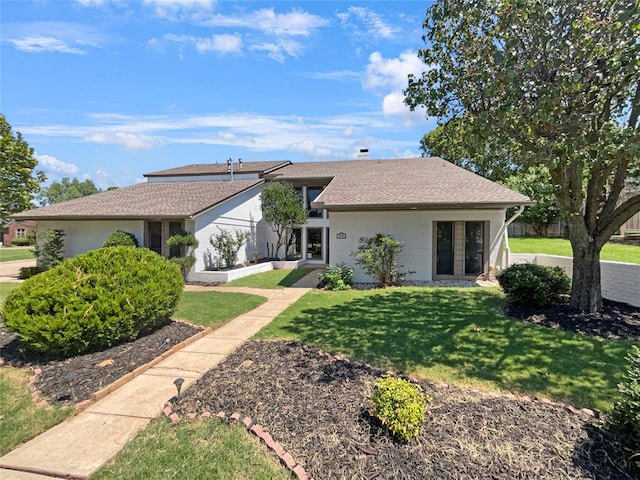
(451, 221)
(16, 229)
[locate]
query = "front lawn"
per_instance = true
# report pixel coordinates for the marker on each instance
(5, 288)
(21, 418)
(458, 336)
(616, 252)
(214, 309)
(10, 254)
(192, 450)
(272, 279)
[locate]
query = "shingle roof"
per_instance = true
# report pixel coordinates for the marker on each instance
(411, 182)
(145, 200)
(219, 169)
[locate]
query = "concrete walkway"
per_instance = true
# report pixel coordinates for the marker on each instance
(79, 446)
(9, 270)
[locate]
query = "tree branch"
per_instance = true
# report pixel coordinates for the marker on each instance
(624, 212)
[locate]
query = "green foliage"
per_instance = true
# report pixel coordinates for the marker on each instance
(28, 272)
(67, 189)
(49, 248)
(625, 416)
(551, 84)
(282, 210)
(400, 406)
(20, 242)
(18, 179)
(94, 301)
(228, 245)
(185, 242)
(339, 277)
(120, 238)
(533, 285)
(377, 255)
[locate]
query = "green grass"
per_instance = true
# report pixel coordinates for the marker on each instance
(214, 309)
(272, 279)
(5, 288)
(191, 450)
(616, 252)
(20, 417)
(458, 336)
(10, 254)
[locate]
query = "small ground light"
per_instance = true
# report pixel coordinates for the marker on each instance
(178, 383)
(69, 379)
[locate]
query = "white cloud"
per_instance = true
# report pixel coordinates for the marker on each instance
(129, 140)
(55, 168)
(293, 23)
(176, 9)
(278, 50)
(222, 44)
(60, 37)
(340, 75)
(366, 24)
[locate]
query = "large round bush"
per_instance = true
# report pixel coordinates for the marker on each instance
(94, 301)
(534, 285)
(120, 238)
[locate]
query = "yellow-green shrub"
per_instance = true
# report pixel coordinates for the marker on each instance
(400, 406)
(94, 301)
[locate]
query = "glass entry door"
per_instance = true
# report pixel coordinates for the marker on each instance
(444, 248)
(155, 237)
(473, 248)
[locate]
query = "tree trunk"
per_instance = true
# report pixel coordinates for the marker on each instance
(586, 294)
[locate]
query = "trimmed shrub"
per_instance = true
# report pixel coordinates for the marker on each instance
(377, 256)
(94, 301)
(625, 416)
(534, 285)
(120, 238)
(400, 406)
(337, 278)
(21, 242)
(28, 272)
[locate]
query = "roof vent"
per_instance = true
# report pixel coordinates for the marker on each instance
(364, 154)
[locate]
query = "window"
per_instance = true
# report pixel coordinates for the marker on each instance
(154, 237)
(174, 227)
(473, 248)
(444, 248)
(314, 243)
(21, 232)
(312, 194)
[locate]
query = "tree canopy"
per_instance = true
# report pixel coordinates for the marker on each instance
(19, 180)
(555, 84)
(283, 210)
(67, 189)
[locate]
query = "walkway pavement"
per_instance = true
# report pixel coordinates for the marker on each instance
(9, 270)
(79, 446)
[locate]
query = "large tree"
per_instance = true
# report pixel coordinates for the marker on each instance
(557, 83)
(19, 180)
(67, 189)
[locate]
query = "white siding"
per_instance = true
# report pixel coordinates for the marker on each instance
(413, 228)
(242, 213)
(83, 235)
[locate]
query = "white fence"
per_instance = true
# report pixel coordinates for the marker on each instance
(620, 281)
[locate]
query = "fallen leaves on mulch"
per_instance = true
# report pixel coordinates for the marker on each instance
(316, 406)
(92, 371)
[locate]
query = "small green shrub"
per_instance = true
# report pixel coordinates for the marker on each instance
(534, 285)
(28, 272)
(337, 278)
(20, 242)
(120, 238)
(228, 245)
(94, 301)
(378, 257)
(400, 406)
(625, 416)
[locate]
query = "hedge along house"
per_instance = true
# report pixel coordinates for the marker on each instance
(451, 221)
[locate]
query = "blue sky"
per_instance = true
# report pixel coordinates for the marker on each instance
(112, 89)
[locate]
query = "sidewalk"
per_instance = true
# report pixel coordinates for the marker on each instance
(9, 270)
(79, 446)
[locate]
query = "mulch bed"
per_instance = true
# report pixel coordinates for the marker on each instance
(616, 321)
(92, 371)
(316, 406)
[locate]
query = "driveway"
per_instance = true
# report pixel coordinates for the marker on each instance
(9, 270)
